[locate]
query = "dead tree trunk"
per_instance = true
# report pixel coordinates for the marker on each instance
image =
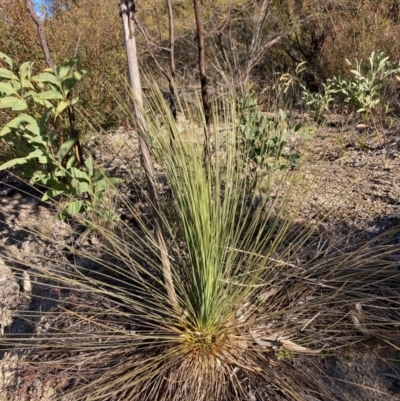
(41, 33)
(203, 77)
(171, 80)
(127, 12)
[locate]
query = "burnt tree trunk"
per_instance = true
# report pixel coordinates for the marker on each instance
(203, 78)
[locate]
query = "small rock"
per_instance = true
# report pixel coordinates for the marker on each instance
(26, 283)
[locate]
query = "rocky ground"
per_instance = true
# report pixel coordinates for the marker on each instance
(359, 177)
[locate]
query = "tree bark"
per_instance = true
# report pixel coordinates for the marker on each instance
(203, 77)
(127, 12)
(172, 68)
(41, 33)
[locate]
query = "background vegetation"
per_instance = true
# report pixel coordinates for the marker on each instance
(243, 49)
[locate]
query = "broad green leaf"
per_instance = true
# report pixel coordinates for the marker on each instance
(105, 183)
(63, 70)
(29, 94)
(108, 215)
(47, 77)
(37, 140)
(7, 101)
(48, 104)
(45, 159)
(81, 187)
(75, 207)
(90, 165)
(53, 136)
(4, 73)
(74, 101)
(50, 95)
(39, 176)
(13, 162)
(65, 148)
(35, 154)
(55, 190)
(99, 174)
(14, 103)
(34, 128)
(25, 70)
(43, 119)
(60, 173)
(6, 59)
(16, 122)
(282, 115)
(20, 105)
(61, 107)
(42, 102)
(101, 185)
(16, 84)
(71, 162)
(69, 82)
(79, 174)
(26, 83)
(7, 88)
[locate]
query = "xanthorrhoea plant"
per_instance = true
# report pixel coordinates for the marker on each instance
(248, 290)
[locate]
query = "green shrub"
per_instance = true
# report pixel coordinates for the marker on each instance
(46, 156)
(362, 91)
(264, 138)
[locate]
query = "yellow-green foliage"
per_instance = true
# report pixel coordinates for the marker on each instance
(323, 34)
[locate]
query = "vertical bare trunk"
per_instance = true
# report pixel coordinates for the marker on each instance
(50, 63)
(41, 33)
(171, 59)
(203, 77)
(127, 11)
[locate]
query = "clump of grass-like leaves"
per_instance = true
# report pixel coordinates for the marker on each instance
(247, 291)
